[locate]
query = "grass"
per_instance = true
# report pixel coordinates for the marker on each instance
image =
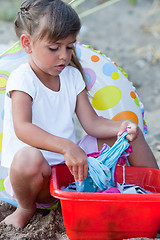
(9, 9)
(133, 2)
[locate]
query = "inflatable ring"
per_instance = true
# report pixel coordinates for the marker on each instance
(110, 92)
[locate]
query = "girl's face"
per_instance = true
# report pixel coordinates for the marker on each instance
(49, 59)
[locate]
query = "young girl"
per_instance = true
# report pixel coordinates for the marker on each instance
(41, 98)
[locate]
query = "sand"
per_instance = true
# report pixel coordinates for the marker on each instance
(43, 225)
(130, 36)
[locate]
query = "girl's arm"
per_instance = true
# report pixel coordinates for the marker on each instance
(34, 136)
(100, 127)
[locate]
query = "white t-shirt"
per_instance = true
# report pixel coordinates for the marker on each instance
(52, 111)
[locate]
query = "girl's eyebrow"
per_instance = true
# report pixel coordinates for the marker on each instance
(67, 44)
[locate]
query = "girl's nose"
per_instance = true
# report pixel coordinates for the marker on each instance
(63, 54)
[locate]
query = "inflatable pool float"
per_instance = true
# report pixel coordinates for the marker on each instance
(111, 93)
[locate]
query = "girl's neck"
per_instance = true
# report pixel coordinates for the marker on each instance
(51, 82)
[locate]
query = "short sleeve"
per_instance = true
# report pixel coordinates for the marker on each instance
(21, 80)
(78, 81)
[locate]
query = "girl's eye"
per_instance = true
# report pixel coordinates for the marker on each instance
(70, 48)
(56, 48)
(53, 49)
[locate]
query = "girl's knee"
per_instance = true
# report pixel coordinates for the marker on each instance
(28, 160)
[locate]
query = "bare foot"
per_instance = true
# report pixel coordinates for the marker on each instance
(20, 217)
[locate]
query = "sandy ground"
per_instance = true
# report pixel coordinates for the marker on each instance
(130, 36)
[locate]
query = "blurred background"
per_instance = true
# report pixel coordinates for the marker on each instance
(128, 32)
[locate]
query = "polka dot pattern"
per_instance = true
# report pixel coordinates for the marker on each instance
(90, 76)
(133, 95)
(109, 68)
(114, 75)
(126, 115)
(112, 95)
(106, 98)
(95, 58)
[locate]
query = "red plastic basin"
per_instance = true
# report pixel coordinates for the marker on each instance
(102, 216)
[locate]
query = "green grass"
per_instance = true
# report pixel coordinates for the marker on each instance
(133, 2)
(9, 9)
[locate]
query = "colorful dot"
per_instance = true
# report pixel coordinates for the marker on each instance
(109, 68)
(114, 75)
(126, 115)
(2, 188)
(133, 95)
(137, 102)
(106, 98)
(95, 58)
(90, 76)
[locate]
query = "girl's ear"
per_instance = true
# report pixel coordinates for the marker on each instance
(26, 43)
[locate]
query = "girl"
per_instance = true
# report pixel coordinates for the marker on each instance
(41, 98)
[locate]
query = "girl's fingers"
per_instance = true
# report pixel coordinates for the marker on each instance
(75, 172)
(80, 173)
(129, 137)
(85, 170)
(79, 169)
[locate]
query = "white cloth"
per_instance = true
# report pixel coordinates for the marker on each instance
(51, 111)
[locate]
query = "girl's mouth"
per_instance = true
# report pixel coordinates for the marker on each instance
(60, 67)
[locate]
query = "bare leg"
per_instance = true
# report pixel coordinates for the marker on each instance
(29, 175)
(141, 156)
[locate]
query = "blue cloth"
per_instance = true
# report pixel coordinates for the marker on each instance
(101, 170)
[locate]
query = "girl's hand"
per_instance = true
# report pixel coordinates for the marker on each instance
(131, 128)
(76, 160)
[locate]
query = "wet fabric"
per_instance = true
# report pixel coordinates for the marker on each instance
(131, 188)
(101, 172)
